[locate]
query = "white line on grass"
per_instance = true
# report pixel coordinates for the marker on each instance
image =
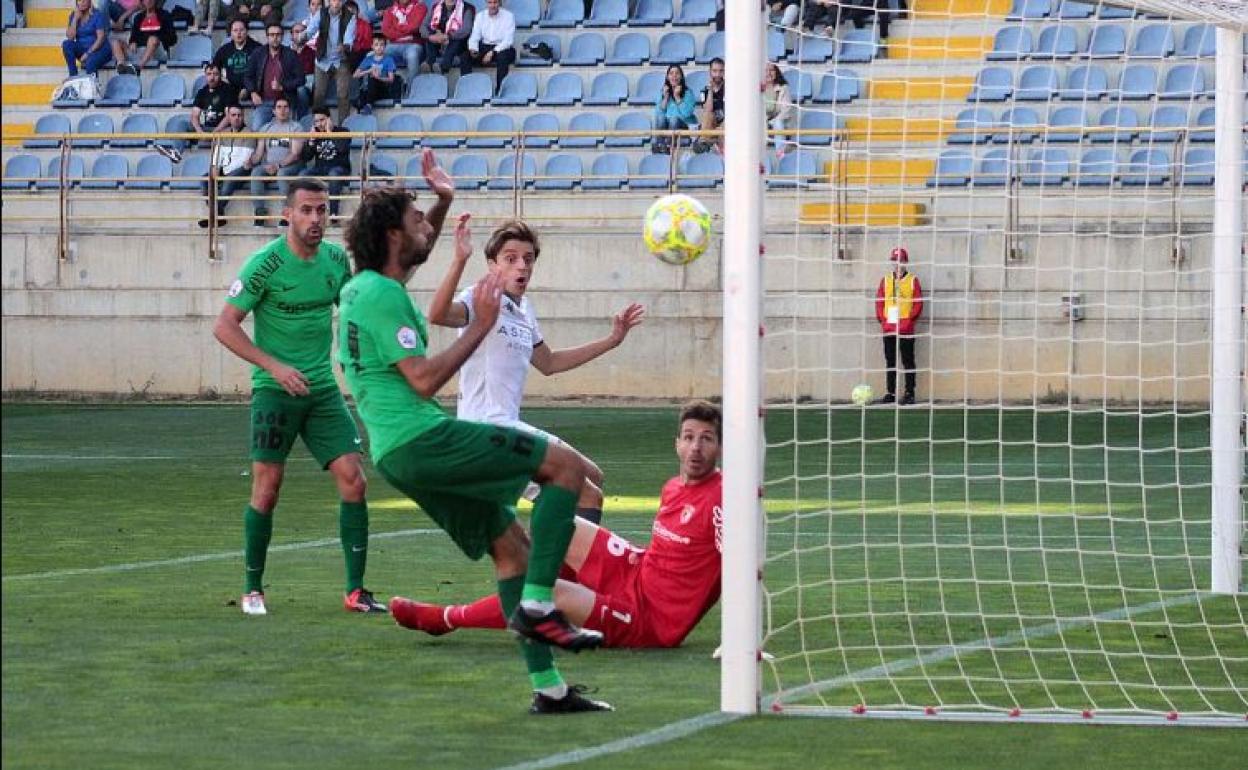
(689, 726)
(21, 456)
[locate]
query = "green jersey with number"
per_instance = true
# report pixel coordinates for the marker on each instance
(292, 300)
(378, 326)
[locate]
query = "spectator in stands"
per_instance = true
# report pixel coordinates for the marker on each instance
(212, 100)
(122, 12)
(304, 50)
(711, 108)
(314, 10)
(206, 14)
(273, 70)
(86, 39)
(401, 26)
(777, 105)
(267, 11)
(329, 156)
(492, 42)
(334, 28)
(446, 30)
(674, 111)
(276, 157)
(232, 161)
(784, 13)
(232, 57)
(898, 304)
(152, 27)
(376, 76)
(823, 15)
(362, 43)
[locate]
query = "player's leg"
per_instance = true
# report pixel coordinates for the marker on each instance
(890, 364)
(561, 476)
(589, 503)
(906, 344)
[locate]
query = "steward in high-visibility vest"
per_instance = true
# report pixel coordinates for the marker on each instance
(898, 304)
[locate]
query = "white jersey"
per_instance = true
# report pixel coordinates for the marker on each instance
(491, 381)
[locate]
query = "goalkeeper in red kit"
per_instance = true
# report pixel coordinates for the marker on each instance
(637, 597)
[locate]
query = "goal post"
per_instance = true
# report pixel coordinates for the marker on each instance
(1055, 530)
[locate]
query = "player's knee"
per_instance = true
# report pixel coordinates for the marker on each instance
(593, 474)
(510, 551)
(353, 488)
(266, 483)
(591, 495)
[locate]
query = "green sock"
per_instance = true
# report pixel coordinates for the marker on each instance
(590, 514)
(353, 530)
(537, 657)
(257, 532)
(551, 529)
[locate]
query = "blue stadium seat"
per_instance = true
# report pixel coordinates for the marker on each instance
(382, 169)
(562, 89)
(712, 47)
(813, 50)
(136, 123)
(696, 81)
(95, 123)
(121, 91)
(48, 125)
(1123, 119)
(9, 15)
(359, 125)
(820, 122)
(74, 172)
(1107, 41)
(1185, 81)
(176, 124)
(1073, 9)
(1058, 42)
(401, 121)
(1107, 11)
(563, 172)
(1162, 121)
(504, 177)
(563, 14)
(427, 90)
(191, 51)
(653, 172)
(974, 126)
(588, 49)
(470, 172)
(1138, 81)
(1146, 168)
(414, 176)
(538, 130)
(608, 13)
(585, 121)
(167, 90)
(992, 84)
(1096, 168)
(675, 48)
(1011, 44)
(1205, 120)
(1066, 124)
(493, 121)
(630, 121)
(1028, 9)
(1019, 125)
(796, 169)
(993, 169)
(1087, 82)
(527, 12)
(1198, 166)
(20, 172)
(647, 91)
(153, 172)
(191, 172)
(837, 87)
(1045, 167)
(801, 85)
(776, 50)
(608, 172)
(1037, 84)
(1154, 41)
(108, 172)
(1199, 41)
(550, 39)
(472, 90)
(953, 169)
(518, 89)
(858, 45)
(695, 13)
(608, 88)
(454, 124)
(704, 171)
(651, 13)
(630, 49)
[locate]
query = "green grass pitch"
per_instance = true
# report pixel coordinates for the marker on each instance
(123, 646)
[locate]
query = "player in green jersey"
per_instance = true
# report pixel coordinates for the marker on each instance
(291, 286)
(467, 476)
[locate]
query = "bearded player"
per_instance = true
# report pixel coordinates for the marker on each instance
(637, 597)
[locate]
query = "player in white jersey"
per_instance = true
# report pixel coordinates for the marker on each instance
(491, 382)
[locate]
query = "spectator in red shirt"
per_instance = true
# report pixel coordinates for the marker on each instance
(401, 26)
(152, 26)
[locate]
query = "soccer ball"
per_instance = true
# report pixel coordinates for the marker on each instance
(677, 229)
(862, 395)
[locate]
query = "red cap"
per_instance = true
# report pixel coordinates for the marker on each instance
(899, 255)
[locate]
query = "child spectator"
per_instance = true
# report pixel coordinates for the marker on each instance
(376, 73)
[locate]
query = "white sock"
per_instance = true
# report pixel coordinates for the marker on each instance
(535, 607)
(558, 692)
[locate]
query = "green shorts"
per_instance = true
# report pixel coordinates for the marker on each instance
(467, 476)
(321, 418)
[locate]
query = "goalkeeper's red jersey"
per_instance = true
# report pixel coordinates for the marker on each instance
(679, 577)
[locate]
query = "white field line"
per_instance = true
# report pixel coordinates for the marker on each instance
(686, 727)
(24, 456)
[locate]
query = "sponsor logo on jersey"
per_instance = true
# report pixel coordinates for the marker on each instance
(667, 534)
(406, 337)
(687, 513)
(236, 288)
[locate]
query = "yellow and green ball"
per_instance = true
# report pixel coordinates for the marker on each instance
(677, 229)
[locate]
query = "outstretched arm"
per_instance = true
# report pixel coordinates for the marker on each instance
(444, 310)
(228, 330)
(428, 375)
(440, 182)
(549, 361)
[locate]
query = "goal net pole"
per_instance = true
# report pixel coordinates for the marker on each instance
(742, 359)
(1226, 393)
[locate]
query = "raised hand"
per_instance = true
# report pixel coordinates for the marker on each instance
(463, 238)
(487, 297)
(625, 320)
(439, 181)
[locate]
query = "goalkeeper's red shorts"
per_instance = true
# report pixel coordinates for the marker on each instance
(611, 570)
